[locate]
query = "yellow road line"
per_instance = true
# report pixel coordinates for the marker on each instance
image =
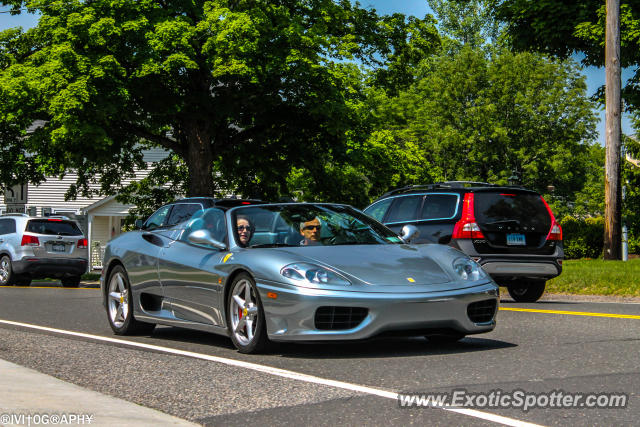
(572, 313)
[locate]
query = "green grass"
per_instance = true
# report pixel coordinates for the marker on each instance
(91, 276)
(598, 277)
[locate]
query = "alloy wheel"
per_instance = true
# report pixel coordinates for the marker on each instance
(118, 300)
(244, 311)
(5, 270)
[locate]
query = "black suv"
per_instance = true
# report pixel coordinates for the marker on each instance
(181, 210)
(509, 230)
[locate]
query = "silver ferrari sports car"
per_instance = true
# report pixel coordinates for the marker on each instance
(293, 272)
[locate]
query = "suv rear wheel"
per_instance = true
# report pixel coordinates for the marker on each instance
(71, 282)
(23, 280)
(527, 290)
(6, 272)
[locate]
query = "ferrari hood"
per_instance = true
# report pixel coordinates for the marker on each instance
(383, 265)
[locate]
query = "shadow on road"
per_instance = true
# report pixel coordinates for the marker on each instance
(372, 348)
(387, 347)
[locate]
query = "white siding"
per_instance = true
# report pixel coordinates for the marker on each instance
(100, 230)
(111, 208)
(50, 194)
(154, 155)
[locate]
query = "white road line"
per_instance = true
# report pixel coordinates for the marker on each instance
(273, 371)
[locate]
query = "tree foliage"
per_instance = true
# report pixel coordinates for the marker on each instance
(241, 91)
(562, 28)
(475, 116)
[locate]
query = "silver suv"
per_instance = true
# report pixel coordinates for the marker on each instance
(32, 248)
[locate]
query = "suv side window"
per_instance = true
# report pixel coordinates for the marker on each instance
(439, 206)
(182, 212)
(158, 219)
(378, 210)
(7, 226)
(404, 208)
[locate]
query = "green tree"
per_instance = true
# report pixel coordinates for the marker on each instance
(467, 23)
(241, 91)
(631, 204)
(562, 28)
(475, 116)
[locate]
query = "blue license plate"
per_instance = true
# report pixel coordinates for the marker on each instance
(516, 239)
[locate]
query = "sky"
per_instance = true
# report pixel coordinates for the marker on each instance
(595, 76)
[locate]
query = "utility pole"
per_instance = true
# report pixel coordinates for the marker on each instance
(612, 193)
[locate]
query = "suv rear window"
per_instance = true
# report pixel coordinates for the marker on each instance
(502, 208)
(53, 227)
(439, 206)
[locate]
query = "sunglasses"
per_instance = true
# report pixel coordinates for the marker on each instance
(311, 227)
(244, 227)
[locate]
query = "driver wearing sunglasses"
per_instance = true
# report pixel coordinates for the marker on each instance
(245, 230)
(310, 230)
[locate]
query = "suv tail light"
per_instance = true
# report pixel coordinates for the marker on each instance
(30, 241)
(467, 228)
(82, 244)
(555, 232)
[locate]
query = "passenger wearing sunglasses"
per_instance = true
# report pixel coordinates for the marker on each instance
(310, 230)
(245, 230)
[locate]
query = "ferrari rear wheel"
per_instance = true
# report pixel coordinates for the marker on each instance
(245, 316)
(120, 306)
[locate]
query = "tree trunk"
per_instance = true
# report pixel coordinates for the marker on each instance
(612, 214)
(199, 158)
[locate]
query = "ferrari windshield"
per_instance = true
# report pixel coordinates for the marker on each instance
(307, 225)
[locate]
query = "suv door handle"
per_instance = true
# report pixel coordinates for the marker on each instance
(1, 240)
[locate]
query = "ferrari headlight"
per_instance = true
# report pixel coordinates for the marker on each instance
(468, 269)
(313, 274)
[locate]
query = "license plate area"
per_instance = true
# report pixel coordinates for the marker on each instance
(515, 239)
(58, 247)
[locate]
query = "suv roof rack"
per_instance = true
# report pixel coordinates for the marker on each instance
(468, 184)
(446, 184)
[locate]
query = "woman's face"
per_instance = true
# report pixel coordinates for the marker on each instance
(244, 231)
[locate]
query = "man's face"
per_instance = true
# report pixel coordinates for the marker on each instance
(244, 231)
(311, 230)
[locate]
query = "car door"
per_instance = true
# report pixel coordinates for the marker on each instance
(437, 217)
(189, 272)
(403, 211)
(7, 235)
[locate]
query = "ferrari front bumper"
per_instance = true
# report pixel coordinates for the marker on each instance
(290, 312)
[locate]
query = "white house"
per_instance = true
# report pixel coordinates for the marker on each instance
(101, 218)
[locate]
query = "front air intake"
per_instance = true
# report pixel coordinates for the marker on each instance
(482, 311)
(338, 318)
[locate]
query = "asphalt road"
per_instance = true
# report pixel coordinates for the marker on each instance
(533, 352)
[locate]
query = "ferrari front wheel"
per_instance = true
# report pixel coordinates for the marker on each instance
(245, 316)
